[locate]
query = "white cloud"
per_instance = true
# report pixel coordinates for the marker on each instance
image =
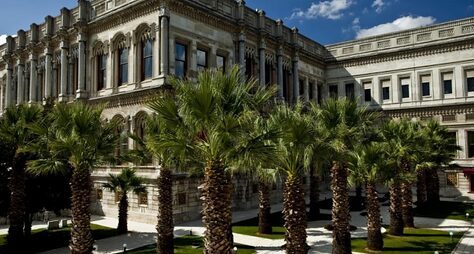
(356, 21)
(378, 5)
(3, 39)
(331, 9)
(402, 23)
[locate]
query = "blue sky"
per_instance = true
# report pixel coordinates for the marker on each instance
(326, 21)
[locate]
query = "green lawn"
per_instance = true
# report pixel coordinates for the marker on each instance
(188, 245)
(447, 210)
(416, 241)
(42, 239)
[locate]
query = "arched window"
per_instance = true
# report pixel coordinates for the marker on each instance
(100, 53)
(144, 37)
(121, 44)
(122, 144)
(147, 59)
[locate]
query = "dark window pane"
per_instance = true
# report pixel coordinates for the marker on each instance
(405, 91)
(249, 67)
(470, 144)
(201, 59)
(180, 60)
(425, 87)
(268, 73)
(301, 85)
(320, 95)
(367, 95)
(448, 86)
(333, 91)
(123, 68)
(311, 92)
(124, 73)
(470, 84)
(101, 72)
(180, 52)
(179, 69)
(147, 63)
(386, 93)
(350, 91)
(123, 56)
(221, 63)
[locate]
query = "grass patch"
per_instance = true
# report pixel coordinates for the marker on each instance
(188, 245)
(250, 226)
(419, 241)
(446, 210)
(43, 240)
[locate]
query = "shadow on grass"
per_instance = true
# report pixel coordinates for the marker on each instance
(43, 240)
(446, 210)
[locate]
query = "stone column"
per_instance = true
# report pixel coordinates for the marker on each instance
(193, 71)
(62, 97)
(306, 89)
(70, 77)
(315, 91)
(280, 71)
(33, 78)
(242, 53)
(296, 79)
(81, 92)
(261, 60)
(9, 86)
(20, 81)
(164, 19)
(48, 73)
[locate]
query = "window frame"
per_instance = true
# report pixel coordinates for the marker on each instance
(145, 58)
(101, 78)
(183, 61)
(123, 66)
(333, 91)
(350, 93)
(200, 66)
(369, 97)
(224, 62)
(405, 89)
(387, 89)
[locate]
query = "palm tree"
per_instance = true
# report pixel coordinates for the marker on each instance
(216, 114)
(294, 155)
(76, 138)
(121, 185)
(346, 125)
(402, 139)
(439, 149)
(15, 131)
(367, 168)
(265, 178)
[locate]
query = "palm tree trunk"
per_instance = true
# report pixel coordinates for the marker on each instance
(421, 187)
(294, 212)
(217, 209)
(314, 210)
(396, 217)
(341, 243)
(374, 235)
(123, 214)
(432, 185)
(81, 236)
(165, 227)
(17, 207)
(407, 205)
(264, 213)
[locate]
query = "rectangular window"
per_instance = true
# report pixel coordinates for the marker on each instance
(101, 72)
(181, 60)
(201, 60)
(301, 84)
(447, 82)
(311, 92)
(425, 85)
(147, 63)
(123, 66)
(320, 94)
(470, 80)
(249, 64)
(367, 95)
(452, 179)
(143, 199)
(99, 194)
(386, 93)
(268, 73)
(405, 91)
(333, 91)
(221, 63)
(350, 93)
(470, 144)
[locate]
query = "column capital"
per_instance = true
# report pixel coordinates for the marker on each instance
(164, 10)
(242, 36)
(262, 44)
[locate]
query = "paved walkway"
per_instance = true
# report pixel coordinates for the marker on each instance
(319, 238)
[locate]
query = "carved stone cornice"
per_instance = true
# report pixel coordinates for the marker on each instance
(135, 97)
(467, 108)
(404, 54)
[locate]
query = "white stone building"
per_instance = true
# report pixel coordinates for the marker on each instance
(122, 52)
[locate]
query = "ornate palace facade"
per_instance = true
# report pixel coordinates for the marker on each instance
(121, 52)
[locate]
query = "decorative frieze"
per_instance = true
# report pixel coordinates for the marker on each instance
(423, 37)
(348, 50)
(403, 40)
(365, 47)
(383, 44)
(446, 33)
(467, 29)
